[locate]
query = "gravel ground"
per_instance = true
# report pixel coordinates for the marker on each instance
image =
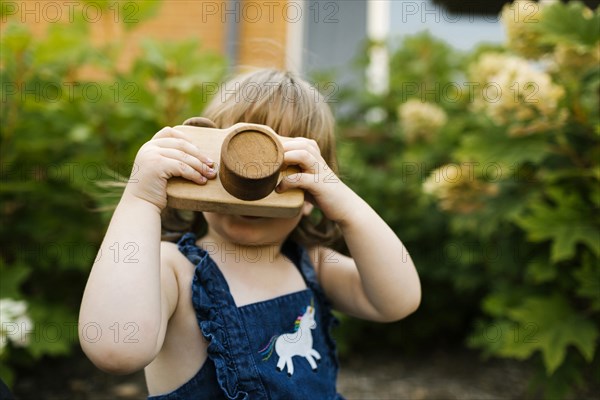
(434, 377)
(437, 376)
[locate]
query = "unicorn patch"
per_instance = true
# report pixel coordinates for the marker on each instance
(297, 343)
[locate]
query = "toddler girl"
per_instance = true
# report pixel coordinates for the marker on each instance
(243, 310)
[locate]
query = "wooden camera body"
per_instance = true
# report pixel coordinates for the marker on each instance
(250, 166)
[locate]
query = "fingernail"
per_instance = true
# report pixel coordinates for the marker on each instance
(209, 161)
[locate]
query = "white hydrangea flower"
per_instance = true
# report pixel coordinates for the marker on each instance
(522, 96)
(489, 65)
(575, 59)
(457, 188)
(519, 19)
(421, 120)
(14, 322)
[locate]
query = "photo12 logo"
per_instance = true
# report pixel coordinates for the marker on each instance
(269, 11)
(23, 333)
(69, 11)
(52, 92)
(254, 92)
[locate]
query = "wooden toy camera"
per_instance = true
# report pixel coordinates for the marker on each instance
(249, 167)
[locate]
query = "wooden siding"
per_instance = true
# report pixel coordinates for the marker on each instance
(261, 29)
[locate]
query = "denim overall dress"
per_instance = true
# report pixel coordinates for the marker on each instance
(274, 349)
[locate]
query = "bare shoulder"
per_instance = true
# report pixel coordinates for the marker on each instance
(170, 254)
(171, 258)
(173, 268)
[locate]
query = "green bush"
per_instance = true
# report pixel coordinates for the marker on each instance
(63, 135)
(487, 165)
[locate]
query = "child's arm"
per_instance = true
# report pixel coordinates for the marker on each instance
(380, 281)
(131, 292)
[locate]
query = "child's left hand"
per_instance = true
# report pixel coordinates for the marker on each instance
(324, 188)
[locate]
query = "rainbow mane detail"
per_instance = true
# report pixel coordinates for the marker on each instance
(297, 323)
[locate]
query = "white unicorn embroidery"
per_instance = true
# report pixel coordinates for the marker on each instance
(298, 343)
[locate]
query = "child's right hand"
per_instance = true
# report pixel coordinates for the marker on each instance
(167, 154)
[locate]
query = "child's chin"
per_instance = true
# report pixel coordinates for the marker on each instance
(250, 218)
(250, 241)
(248, 236)
(254, 231)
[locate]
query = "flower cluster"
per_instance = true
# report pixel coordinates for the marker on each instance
(519, 19)
(457, 188)
(14, 313)
(525, 99)
(574, 58)
(420, 121)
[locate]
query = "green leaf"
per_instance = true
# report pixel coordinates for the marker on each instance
(572, 23)
(551, 326)
(16, 38)
(135, 12)
(63, 48)
(497, 304)
(588, 278)
(12, 276)
(54, 331)
(7, 375)
(595, 192)
(541, 270)
(153, 55)
(565, 220)
(490, 336)
(497, 148)
(561, 384)
(130, 13)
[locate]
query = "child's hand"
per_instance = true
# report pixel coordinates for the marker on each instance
(324, 188)
(167, 154)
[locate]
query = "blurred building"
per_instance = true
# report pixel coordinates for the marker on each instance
(301, 35)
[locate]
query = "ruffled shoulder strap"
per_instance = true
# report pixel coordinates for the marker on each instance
(300, 257)
(187, 246)
(220, 322)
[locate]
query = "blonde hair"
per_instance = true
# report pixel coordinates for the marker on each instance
(291, 107)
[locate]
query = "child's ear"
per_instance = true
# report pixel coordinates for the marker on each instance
(307, 208)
